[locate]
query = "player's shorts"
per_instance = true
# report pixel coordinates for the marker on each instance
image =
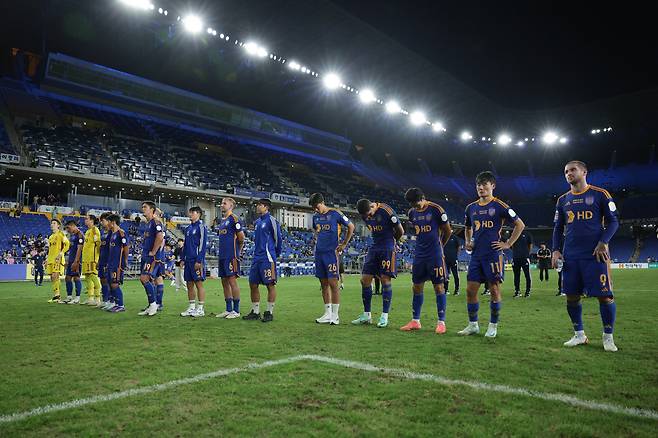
(102, 271)
(191, 274)
(114, 275)
(89, 268)
(429, 269)
(228, 268)
(262, 273)
(70, 272)
(326, 265)
(55, 268)
(380, 262)
(587, 276)
(151, 267)
(486, 269)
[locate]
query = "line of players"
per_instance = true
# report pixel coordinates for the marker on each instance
(585, 221)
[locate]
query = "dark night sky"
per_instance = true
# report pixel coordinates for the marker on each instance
(527, 54)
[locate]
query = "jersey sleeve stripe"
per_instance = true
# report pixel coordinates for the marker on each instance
(501, 203)
(437, 206)
(604, 191)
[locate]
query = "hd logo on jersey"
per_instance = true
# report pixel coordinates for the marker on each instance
(579, 216)
(483, 224)
(376, 228)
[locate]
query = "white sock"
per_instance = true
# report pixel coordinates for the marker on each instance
(580, 333)
(192, 304)
(327, 308)
(334, 309)
(417, 320)
(255, 307)
(270, 307)
(385, 316)
(200, 305)
(368, 314)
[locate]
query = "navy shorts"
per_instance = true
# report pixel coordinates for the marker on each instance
(114, 275)
(380, 262)
(326, 265)
(430, 269)
(228, 268)
(152, 267)
(262, 273)
(587, 276)
(191, 274)
(102, 271)
(486, 269)
(70, 272)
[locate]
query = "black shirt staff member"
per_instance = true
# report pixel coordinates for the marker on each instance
(544, 261)
(521, 261)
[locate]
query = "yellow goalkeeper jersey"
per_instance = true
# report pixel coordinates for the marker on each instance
(57, 244)
(92, 245)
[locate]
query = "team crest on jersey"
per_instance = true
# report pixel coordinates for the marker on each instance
(379, 218)
(428, 216)
(492, 211)
(226, 223)
(589, 200)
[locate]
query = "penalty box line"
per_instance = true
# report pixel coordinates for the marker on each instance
(362, 366)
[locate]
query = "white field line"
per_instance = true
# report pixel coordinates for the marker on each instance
(400, 373)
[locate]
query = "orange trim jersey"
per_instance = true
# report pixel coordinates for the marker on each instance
(487, 222)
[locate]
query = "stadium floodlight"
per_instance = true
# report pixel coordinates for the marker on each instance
(255, 50)
(138, 4)
(549, 137)
(417, 118)
(294, 65)
(593, 131)
(484, 138)
(465, 136)
(520, 143)
(332, 81)
(438, 127)
(367, 96)
(564, 140)
(192, 23)
(392, 107)
(504, 139)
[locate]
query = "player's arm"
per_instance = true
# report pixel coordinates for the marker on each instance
(445, 231)
(468, 231)
(348, 237)
(157, 242)
(126, 253)
(201, 249)
(558, 234)
(277, 238)
(609, 209)
(78, 254)
(518, 229)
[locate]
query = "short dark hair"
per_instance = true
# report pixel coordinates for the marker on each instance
(105, 214)
(266, 202)
(316, 198)
(151, 204)
(71, 222)
(579, 163)
(485, 177)
(363, 206)
(114, 218)
(93, 218)
(196, 209)
(181, 240)
(56, 220)
(414, 195)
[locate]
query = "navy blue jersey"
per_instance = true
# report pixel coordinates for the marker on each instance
(382, 224)
(153, 228)
(228, 229)
(115, 257)
(196, 239)
(105, 247)
(76, 240)
(582, 220)
(267, 240)
(487, 222)
(426, 224)
(328, 229)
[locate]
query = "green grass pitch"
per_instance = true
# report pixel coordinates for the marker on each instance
(51, 353)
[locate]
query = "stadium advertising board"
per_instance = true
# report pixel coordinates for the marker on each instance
(10, 158)
(256, 194)
(289, 199)
(629, 265)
